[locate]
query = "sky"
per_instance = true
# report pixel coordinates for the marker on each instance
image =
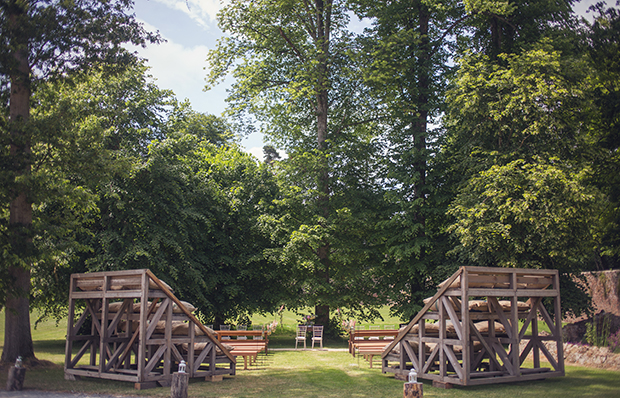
(179, 64)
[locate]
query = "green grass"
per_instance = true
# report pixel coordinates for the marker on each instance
(305, 374)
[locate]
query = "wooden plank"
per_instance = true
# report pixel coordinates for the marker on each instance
(103, 347)
(498, 270)
(485, 344)
(135, 335)
(514, 323)
(422, 312)
(412, 356)
(189, 314)
(144, 312)
(155, 359)
(160, 311)
(78, 355)
(168, 335)
(526, 350)
(499, 349)
(465, 326)
(117, 317)
(531, 315)
(499, 311)
(455, 362)
(71, 331)
(512, 379)
(430, 360)
(209, 349)
(558, 322)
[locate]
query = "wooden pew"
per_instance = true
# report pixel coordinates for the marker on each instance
(248, 349)
(360, 338)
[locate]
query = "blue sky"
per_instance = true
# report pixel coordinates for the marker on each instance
(190, 30)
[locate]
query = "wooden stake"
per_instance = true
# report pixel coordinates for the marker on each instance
(179, 385)
(413, 390)
(15, 382)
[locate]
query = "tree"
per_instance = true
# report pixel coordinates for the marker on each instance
(88, 133)
(42, 39)
(295, 76)
(409, 52)
(271, 154)
(603, 50)
(518, 133)
(190, 212)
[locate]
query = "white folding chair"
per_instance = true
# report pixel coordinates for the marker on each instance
(317, 335)
(388, 327)
(226, 328)
(242, 327)
(257, 327)
(301, 335)
(374, 327)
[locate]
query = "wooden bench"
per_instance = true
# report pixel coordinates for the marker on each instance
(248, 349)
(361, 338)
(370, 351)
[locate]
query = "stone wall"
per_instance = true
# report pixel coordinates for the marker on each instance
(603, 286)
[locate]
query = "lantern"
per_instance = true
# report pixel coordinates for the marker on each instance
(413, 376)
(182, 366)
(18, 362)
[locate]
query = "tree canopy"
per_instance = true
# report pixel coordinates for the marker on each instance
(444, 134)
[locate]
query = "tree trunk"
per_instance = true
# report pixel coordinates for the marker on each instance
(17, 337)
(323, 31)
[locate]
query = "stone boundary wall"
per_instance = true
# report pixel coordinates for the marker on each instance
(604, 287)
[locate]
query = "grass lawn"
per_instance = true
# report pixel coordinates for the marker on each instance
(304, 374)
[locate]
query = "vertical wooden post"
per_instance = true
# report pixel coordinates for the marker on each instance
(15, 382)
(168, 336)
(413, 390)
(103, 332)
(536, 348)
(558, 322)
(178, 389)
(144, 307)
(514, 323)
(70, 323)
(467, 345)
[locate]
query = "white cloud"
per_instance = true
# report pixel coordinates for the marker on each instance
(182, 69)
(257, 151)
(201, 11)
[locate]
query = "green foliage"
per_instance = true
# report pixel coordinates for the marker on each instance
(596, 336)
(518, 142)
(87, 130)
(189, 213)
(297, 80)
(526, 215)
(603, 47)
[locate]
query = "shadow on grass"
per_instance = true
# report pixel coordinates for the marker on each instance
(319, 374)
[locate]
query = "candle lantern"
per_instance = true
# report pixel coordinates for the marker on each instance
(182, 366)
(413, 376)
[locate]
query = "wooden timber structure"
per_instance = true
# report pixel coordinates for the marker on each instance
(455, 339)
(140, 332)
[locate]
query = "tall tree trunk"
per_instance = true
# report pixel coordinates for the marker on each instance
(323, 31)
(419, 140)
(17, 337)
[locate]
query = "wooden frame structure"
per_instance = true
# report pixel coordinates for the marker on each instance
(454, 340)
(140, 332)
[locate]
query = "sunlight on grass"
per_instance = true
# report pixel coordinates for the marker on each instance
(305, 373)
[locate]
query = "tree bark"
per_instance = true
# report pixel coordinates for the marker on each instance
(17, 337)
(323, 32)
